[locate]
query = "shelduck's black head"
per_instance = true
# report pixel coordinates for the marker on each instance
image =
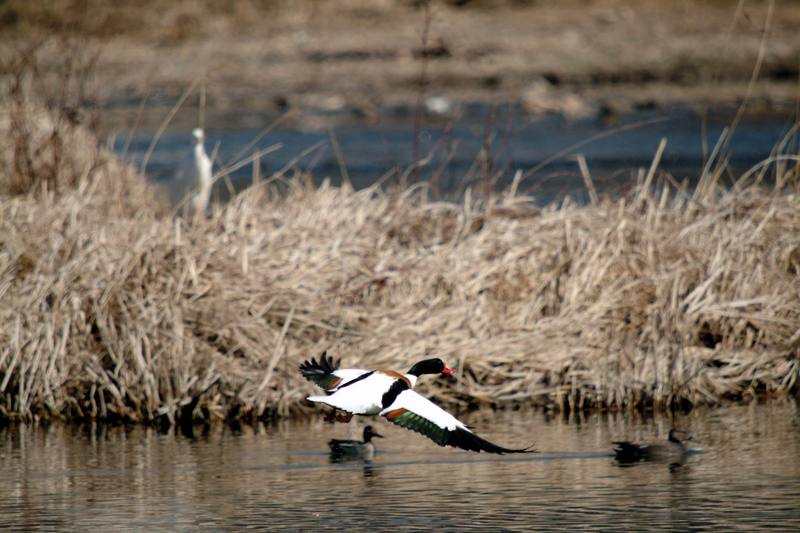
(430, 366)
(369, 433)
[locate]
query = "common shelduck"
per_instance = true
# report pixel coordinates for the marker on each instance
(673, 450)
(341, 449)
(390, 394)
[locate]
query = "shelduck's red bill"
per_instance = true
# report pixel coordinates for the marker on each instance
(448, 371)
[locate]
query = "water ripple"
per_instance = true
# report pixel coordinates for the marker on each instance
(745, 476)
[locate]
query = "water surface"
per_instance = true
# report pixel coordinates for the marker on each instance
(743, 474)
(483, 142)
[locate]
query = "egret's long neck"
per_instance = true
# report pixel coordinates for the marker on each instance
(203, 164)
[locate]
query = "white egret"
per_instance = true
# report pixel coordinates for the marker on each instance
(203, 166)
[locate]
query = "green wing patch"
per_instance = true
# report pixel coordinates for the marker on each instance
(422, 425)
(458, 438)
(328, 381)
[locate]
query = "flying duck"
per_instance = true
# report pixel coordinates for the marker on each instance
(341, 449)
(390, 394)
(674, 450)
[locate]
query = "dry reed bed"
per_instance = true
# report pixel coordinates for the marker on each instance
(654, 299)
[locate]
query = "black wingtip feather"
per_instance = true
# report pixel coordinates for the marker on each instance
(326, 365)
(466, 440)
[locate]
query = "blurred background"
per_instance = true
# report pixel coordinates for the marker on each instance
(458, 92)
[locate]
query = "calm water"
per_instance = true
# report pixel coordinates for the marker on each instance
(614, 149)
(744, 474)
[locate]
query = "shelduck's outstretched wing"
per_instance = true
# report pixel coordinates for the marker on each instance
(327, 374)
(417, 413)
(322, 373)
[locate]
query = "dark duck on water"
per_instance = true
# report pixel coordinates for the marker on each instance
(673, 450)
(345, 449)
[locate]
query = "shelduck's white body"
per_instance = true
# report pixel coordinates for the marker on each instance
(363, 397)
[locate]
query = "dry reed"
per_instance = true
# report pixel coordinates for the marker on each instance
(111, 309)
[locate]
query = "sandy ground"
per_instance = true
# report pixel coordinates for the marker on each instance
(570, 56)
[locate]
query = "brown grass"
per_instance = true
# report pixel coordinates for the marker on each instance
(111, 309)
(49, 142)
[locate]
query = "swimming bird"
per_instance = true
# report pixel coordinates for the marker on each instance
(353, 448)
(390, 394)
(673, 450)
